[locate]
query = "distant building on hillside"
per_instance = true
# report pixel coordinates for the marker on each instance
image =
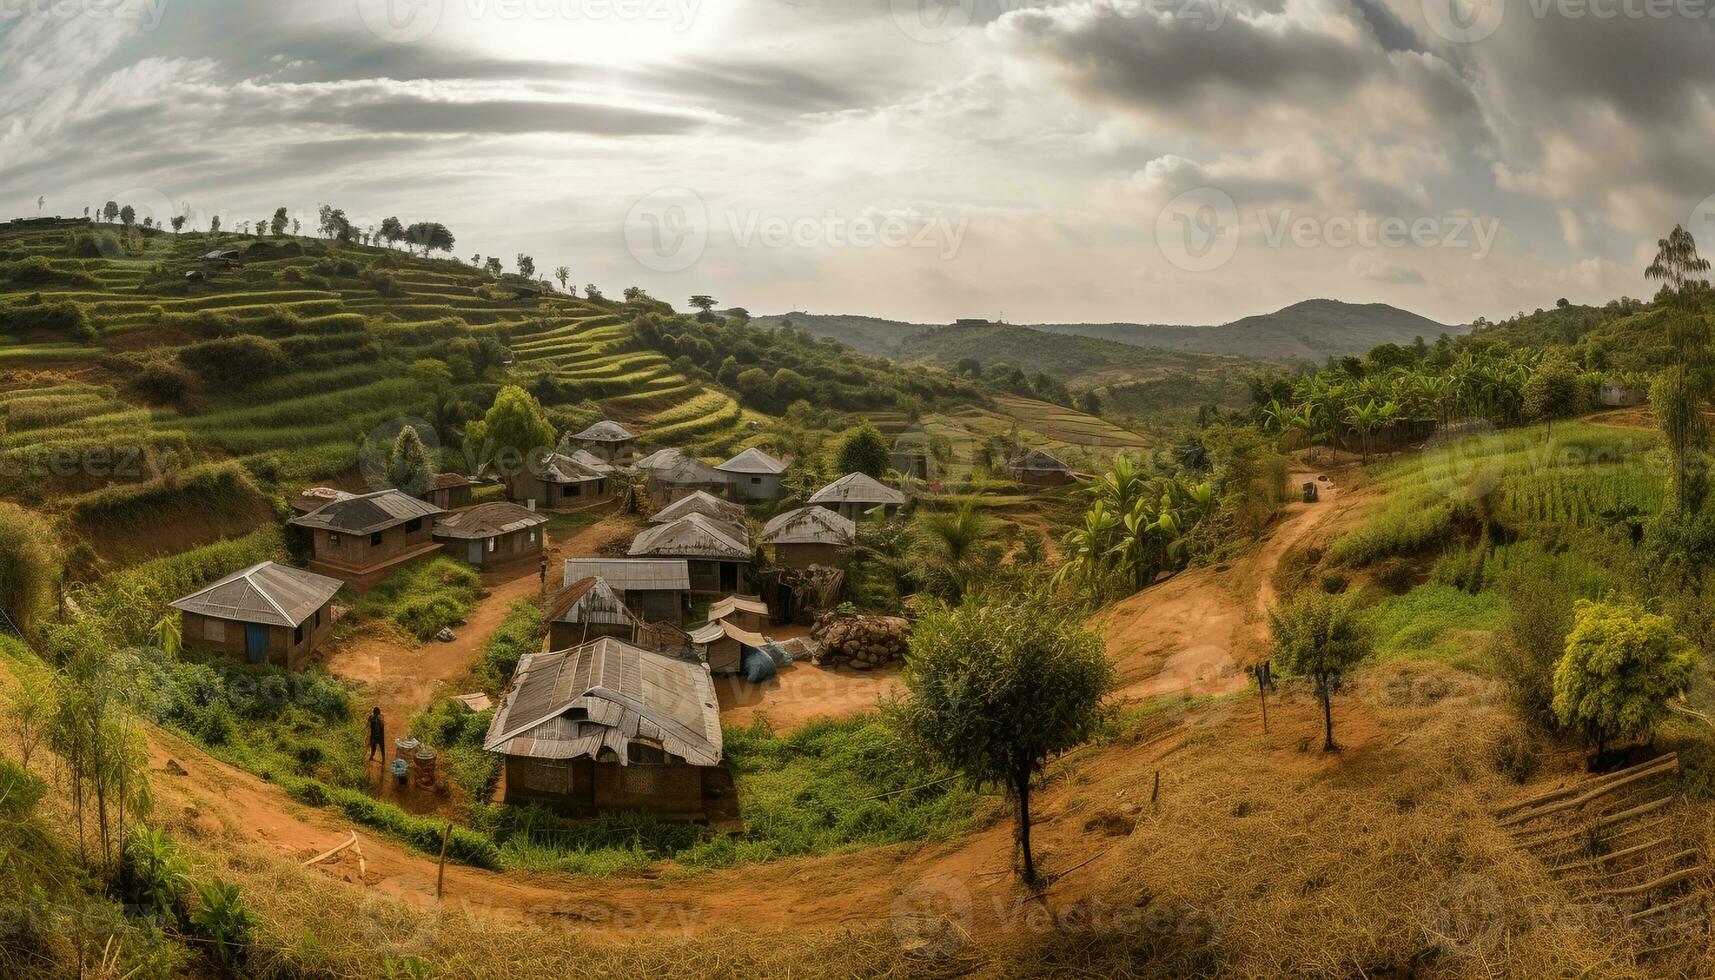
(609, 441)
(674, 473)
(1037, 468)
(267, 613)
(364, 539)
(449, 491)
(610, 726)
(1616, 395)
(493, 534)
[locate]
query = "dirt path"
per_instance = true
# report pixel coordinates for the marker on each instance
(1196, 619)
(1193, 633)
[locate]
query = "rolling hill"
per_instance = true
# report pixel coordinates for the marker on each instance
(1312, 330)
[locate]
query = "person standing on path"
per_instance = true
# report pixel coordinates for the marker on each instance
(377, 736)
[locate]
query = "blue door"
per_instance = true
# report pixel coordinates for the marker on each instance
(256, 642)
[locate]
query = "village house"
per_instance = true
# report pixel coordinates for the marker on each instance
(754, 475)
(656, 591)
(586, 610)
(364, 539)
(610, 442)
(267, 613)
(609, 726)
(810, 536)
(856, 494)
(558, 481)
(1036, 468)
(706, 504)
(745, 612)
(493, 534)
(1616, 395)
(721, 645)
(719, 555)
(313, 498)
(449, 491)
(673, 473)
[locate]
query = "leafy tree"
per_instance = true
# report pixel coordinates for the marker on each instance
(178, 222)
(431, 236)
(1622, 664)
(333, 223)
(592, 291)
(127, 215)
(278, 226)
(1318, 636)
(702, 303)
(996, 690)
(1090, 402)
(392, 231)
(865, 451)
(214, 225)
(29, 566)
(1681, 392)
(514, 430)
(1553, 390)
(110, 211)
(954, 550)
(564, 274)
(409, 466)
(493, 266)
(526, 266)
(296, 225)
(789, 386)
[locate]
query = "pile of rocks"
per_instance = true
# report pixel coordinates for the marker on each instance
(861, 642)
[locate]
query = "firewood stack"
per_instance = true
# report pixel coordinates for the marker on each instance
(861, 642)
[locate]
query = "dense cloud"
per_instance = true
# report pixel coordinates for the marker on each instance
(1059, 130)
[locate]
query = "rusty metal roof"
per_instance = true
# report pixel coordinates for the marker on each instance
(633, 574)
(267, 594)
(694, 536)
(701, 502)
(1037, 459)
(574, 703)
(589, 600)
(753, 461)
(858, 488)
(368, 513)
(606, 431)
(487, 520)
(810, 525)
(734, 603)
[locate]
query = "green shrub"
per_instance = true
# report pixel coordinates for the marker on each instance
(69, 319)
(154, 878)
(520, 633)
(161, 383)
(29, 565)
(225, 923)
(20, 790)
(425, 597)
(228, 363)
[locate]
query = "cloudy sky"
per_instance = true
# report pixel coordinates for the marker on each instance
(1179, 161)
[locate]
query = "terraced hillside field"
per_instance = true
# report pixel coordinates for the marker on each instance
(129, 364)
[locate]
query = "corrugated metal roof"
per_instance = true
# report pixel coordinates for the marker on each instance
(606, 431)
(810, 525)
(368, 513)
(564, 468)
(752, 462)
(675, 467)
(713, 632)
(700, 502)
(733, 603)
(694, 536)
(858, 488)
(633, 574)
(450, 481)
(268, 594)
(487, 521)
(568, 704)
(589, 600)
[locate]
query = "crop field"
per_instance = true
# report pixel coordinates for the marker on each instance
(348, 321)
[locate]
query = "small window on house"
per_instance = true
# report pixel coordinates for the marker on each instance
(375, 540)
(491, 542)
(413, 525)
(297, 635)
(756, 481)
(333, 540)
(214, 629)
(575, 490)
(532, 537)
(645, 752)
(318, 618)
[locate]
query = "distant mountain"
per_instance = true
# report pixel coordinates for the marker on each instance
(1312, 330)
